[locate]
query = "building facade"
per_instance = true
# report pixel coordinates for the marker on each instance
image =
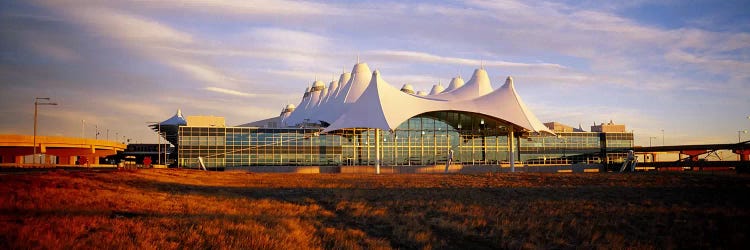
(422, 140)
(363, 120)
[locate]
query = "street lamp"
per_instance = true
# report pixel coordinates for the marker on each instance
(662, 137)
(564, 146)
(36, 107)
(649, 140)
(739, 135)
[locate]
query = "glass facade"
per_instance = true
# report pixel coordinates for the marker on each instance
(421, 140)
(576, 147)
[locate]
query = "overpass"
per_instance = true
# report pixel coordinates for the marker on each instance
(694, 152)
(13, 148)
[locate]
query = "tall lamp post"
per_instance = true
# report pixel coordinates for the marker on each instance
(563, 145)
(36, 107)
(739, 135)
(662, 137)
(649, 140)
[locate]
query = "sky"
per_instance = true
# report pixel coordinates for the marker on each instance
(681, 67)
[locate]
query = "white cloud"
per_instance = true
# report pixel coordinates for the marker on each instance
(228, 91)
(247, 8)
(398, 55)
(218, 46)
(126, 27)
(56, 51)
(200, 72)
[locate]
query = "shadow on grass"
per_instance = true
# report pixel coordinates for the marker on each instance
(511, 217)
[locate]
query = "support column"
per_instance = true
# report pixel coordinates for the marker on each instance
(8, 158)
(744, 154)
(71, 160)
(511, 155)
(377, 151)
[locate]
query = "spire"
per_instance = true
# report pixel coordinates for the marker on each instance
(509, 80)
(357, 57)
(179, 113)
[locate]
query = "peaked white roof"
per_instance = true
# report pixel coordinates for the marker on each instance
(330, 91)
(323, 96)
(343, 80)
(456, 83)
(478, 85)
(177, 119)
(357, 84)
(365, 100)
(407, 88)
(385, 107)
(437, 89)
(169, 127)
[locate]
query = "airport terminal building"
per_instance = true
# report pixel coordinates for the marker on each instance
(363, 120)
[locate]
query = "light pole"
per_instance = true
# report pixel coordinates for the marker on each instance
(563, 145)
(739, 135)
(662, 137)
(649, 140)
(83, 128)
(36, 107)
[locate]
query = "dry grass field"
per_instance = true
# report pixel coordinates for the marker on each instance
(167, 209)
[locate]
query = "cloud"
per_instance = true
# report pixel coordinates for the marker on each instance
(561, 51)
(148, 38)
(228, 91)
(247, 8)
(126, 27)
(293, 48)
(51, 50)
(201, 72)
(397, 55)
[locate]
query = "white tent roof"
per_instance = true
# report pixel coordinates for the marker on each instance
(385, 107)
(296, 116)
(437, 89)
(330, 91)
(456, 83)
(177, 119)
(357, 84)
(343, 80)
(478, 85)
(323, 96)
(365, 100)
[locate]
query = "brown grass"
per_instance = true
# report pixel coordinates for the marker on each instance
(166, 209)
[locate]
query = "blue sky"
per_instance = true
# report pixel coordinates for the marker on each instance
(680, 66)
